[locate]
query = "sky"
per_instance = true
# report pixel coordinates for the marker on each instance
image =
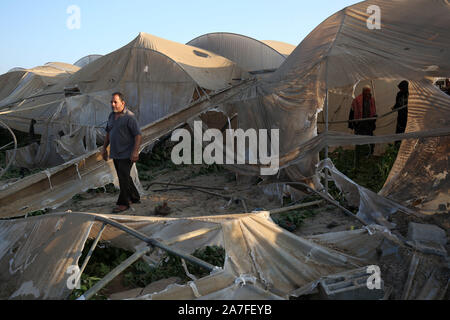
(36, 32)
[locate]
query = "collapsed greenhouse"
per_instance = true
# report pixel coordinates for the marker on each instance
(173, 85)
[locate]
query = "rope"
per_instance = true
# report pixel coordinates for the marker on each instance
(365, 119)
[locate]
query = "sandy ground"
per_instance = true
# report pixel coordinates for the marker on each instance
(193, 203)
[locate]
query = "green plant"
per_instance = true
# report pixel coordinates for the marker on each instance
(293, 219)
(105, 258)
(140, 274)
(372, 172)
(387, 161)
(109, 188)
(38, 213)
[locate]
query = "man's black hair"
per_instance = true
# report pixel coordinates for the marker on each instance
(120, 95)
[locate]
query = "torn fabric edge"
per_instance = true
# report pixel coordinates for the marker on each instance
(34, 193)
(373, 208)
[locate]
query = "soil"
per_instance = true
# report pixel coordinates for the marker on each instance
(193, 203)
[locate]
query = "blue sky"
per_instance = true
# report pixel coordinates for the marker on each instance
(36, 32)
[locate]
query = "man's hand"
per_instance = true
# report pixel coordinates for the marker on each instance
(134, 156)
(105, 154)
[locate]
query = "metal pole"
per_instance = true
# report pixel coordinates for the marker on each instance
(298, 206)
(333, 202)
(156, 243)
(91, 250)
(114, 273)
(326, 136)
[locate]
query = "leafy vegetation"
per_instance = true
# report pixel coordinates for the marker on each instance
(372, 172)
(105, 258)
(293, 219)
(155, 161)
(109, 188)
(22, 140)
(38, 213)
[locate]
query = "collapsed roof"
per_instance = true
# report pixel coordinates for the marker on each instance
(413, 43)
(341, 52)
(20, 83)
(157, 76)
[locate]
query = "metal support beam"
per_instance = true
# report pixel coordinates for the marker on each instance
(155, 243)
(326, 132)
(91, 251)
(114, 273)
(333, 202)
(298, 206)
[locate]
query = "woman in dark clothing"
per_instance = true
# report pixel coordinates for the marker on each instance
(401, 103)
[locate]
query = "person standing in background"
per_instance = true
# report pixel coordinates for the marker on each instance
(363, 107)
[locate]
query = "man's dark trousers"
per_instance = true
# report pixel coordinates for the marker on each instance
(128, 191)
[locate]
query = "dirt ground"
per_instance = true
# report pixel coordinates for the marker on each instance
(193, 203)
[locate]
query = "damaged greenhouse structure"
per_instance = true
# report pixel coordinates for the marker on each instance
(171, 85)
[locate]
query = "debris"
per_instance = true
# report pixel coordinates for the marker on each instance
(388, 248)
(427, 238)
(350, 285)
(428, 247)
(411, 274)
(162, 210)
(332, 224)
(430, 290)
(426, 233)
(160, 285)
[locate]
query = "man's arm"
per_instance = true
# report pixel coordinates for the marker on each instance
(105, 147)
(137, 145)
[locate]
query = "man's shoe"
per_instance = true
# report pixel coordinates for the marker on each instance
(120, 209)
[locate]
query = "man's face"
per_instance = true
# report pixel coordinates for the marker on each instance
(117, 104)
(367, 93)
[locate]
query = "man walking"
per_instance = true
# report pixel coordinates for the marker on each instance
(124, 135)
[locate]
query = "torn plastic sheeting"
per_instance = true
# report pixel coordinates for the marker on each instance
(281, 261)
(55, 186)
(37, 253)
(336, 55)
(27, 195)
(163, 230)
(254, 245)
(359, 243)
(71, 146)
(238, 292)
(373, 208)
(205, 286)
